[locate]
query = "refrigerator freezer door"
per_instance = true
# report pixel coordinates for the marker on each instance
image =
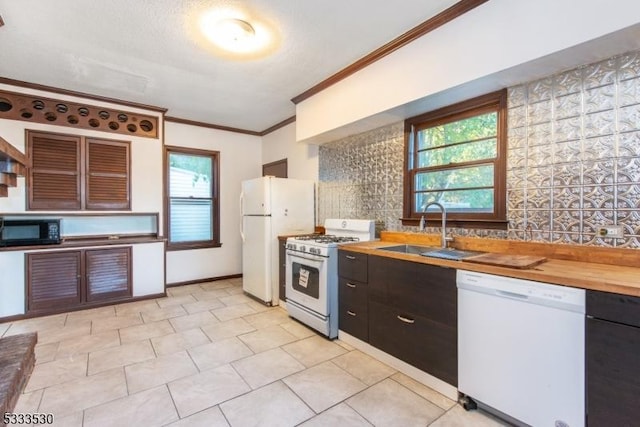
(292, 206)
(255, 197)
(256, 257)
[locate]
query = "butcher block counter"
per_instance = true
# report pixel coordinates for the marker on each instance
(587, 267)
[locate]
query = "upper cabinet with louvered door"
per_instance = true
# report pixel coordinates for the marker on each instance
(107, 172)
(71, 172)
(54, 280)
(108, 273)
(54, 179)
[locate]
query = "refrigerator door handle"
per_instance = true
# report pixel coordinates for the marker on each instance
(242, 215)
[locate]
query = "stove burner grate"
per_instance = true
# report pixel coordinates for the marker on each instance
(327, 238)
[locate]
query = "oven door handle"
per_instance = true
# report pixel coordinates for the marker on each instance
(308, 258)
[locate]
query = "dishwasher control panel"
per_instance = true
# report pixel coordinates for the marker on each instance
(564, 297)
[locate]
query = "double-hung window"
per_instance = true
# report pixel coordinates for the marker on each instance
(456, 156)
(192, 186)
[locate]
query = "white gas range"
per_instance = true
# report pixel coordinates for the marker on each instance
(312, 272)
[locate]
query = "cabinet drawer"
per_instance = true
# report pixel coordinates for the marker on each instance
(425, 290)
(429, 346)
(353, 308)
(352, 265)
(615, 307)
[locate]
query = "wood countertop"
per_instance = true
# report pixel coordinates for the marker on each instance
(579, 273)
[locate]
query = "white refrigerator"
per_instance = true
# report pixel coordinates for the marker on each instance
(271, 207)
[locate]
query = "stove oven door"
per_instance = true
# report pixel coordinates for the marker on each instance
(307, 281)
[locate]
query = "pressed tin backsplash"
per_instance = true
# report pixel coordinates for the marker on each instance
(573, 161)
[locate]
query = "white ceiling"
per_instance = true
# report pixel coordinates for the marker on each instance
(148, 51)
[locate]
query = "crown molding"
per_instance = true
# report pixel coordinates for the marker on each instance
(427, 26)
(278, 126)
(210, 125)
(28, 85)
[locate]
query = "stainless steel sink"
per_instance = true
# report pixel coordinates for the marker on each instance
(450, 253)
(409, 249)
(431, 251)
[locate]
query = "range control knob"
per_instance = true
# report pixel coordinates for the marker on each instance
(314, 250)
(302, 248)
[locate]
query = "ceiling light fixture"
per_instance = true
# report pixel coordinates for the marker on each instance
(234, 34)
(234, 31)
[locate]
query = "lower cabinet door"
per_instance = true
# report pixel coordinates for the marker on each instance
(613, 374)
(108, 273)
(54, 280)
(429, 346)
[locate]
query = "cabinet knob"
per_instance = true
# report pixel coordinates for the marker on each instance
(351, 313)
(405, 320)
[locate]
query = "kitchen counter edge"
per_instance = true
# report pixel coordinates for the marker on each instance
(585, 275)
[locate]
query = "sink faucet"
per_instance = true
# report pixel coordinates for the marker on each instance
(444, 238)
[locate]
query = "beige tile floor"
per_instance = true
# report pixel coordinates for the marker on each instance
(207, 355)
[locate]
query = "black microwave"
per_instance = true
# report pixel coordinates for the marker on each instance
(23, 232)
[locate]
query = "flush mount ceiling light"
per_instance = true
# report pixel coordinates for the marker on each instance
(233, 34)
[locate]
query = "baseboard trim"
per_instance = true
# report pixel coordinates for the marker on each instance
(208, 279)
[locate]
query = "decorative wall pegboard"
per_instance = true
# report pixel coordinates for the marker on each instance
(36, 109)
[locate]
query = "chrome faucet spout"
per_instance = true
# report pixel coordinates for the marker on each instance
(444, 221)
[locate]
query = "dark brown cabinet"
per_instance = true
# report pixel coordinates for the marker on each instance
(406, 309)
(61, 280)
(54, 280)
(71, 172)
(353, 265)
(353, 303)
(417, 340)
(108, 273)
(612, 359)
(413, 314)
(282, 264)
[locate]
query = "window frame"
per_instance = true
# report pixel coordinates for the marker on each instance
(495, 101)
(215, 199)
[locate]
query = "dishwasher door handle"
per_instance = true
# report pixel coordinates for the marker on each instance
(512, 295)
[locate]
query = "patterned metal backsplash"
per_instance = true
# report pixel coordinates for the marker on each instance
(573, 161)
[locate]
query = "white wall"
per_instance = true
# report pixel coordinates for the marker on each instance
(12, 284)
(470, 53)
(302, 159)
(146, 155)
(240, 159)
(148, 268)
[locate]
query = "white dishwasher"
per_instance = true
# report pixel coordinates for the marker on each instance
(521, 348)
